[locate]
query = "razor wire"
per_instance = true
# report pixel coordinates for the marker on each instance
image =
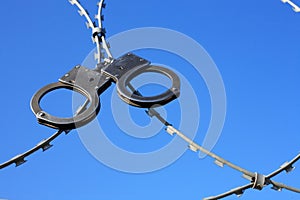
(104, 55)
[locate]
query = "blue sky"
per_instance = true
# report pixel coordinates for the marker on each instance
(255, 45)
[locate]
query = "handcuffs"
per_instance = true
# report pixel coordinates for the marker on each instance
(91, 83)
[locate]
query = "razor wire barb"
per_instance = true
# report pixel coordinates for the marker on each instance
(257, 181)
(98, 32)
(295, 7)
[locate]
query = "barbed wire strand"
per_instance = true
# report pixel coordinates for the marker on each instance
(92, 25)
(44, 145)
(295, 7)
(100, 18)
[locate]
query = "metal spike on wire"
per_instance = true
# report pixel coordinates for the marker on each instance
(258, 181)
(98, 32)
(295, 7)
(43, 145)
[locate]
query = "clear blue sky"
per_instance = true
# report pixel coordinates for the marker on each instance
(255, 45)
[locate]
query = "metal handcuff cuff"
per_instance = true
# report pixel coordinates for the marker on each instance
(93, 82)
